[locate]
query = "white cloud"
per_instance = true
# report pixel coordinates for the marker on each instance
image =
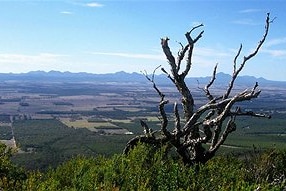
(275, 53)
(132, 55)
(279, 44)
(210, 52)
(66, 12)
(199, 52)
(273, 42)
(29, 59)
(19, 63)
(94, 4)
(250, 10)
(205, 58)
(245, 22)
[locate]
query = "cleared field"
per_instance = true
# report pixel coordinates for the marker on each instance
(121, 121)
(65, 119)
(131, 109)
(84, 123)
(152, 118)
(100, 127)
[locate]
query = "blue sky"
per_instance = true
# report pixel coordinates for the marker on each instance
(111, 36)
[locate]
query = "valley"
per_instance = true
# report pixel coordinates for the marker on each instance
(52, 121)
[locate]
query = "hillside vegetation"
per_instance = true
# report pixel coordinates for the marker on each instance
(148, 169)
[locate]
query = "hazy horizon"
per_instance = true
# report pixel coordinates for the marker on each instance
(110, 36)
(140, 73)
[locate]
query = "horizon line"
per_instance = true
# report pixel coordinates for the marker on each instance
(122, 71)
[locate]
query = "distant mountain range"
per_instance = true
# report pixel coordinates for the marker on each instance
(56, 76)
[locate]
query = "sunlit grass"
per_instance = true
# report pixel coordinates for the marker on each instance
(83, 123)
(121, 121)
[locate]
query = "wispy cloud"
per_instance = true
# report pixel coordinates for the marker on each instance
(275, 53)
(94, 4)
(246, 22)
(211, 52)
(249, 10)
(132, 55)
(274, 42)
(206, 57)
(201, 52)
(6, 58)
(66, 12)
(279, 51)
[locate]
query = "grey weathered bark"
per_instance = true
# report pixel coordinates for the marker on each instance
(204, 125)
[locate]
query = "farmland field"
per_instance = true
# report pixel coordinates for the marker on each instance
(54, 121)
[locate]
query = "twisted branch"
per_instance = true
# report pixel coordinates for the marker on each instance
(206, 124)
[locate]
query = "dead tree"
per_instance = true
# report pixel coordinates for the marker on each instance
(206, 128)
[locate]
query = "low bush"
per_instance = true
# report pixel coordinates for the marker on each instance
(145, 169)
(12, 177)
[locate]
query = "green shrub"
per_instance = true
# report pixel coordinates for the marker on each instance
(269, 166)
(11, 176)
(147, 169)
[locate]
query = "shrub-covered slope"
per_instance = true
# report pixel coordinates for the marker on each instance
(143, 169)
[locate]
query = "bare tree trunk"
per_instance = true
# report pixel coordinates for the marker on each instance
(204, 130)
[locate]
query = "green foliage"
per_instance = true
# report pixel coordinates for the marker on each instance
(5, 133)
(145, 169)
(48, 143)
(12, 177)
(269, 165)
(148, 169)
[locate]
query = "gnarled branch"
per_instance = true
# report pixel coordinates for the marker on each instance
(206, 124)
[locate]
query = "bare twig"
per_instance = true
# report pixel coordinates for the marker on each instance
(191, 47)
(206, 89)
(235, 59)
(169, 76)
(153, 82)
(246, 58)
(207, 123)
(163, 102)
